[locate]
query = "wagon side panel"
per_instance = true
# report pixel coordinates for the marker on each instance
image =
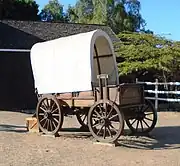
(131, 94)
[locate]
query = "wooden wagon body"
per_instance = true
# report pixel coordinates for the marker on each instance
(78, 75)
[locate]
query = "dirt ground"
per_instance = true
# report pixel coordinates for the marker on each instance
(19, 148)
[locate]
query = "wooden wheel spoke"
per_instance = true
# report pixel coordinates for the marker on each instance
(113, 117)
(45, 123)
(104, 134)
(54, 110)
(145, 109)
(146, 123)
(85, 116)
(48, 124)
(110, 112)
(151, 113)
(109, 131)
(96, 124)
(98, 115)
(55, 114)
(133, 122)
(100, 129)
(51, 108)
(137, 125)
(100, 108)
(96, 118)
(148, 119)
(42, 119)
(44, 104)
(55, 120)
(141, 125)
(113, 128)
(47, 103)
(51, 127)
(54, 124)
(41, 108)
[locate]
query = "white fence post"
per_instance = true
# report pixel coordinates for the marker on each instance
(136, 80)
(156, 95)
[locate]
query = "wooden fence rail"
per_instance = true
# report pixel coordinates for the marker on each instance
(170, 95)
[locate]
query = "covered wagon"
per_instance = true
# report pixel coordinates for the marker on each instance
(78, 75)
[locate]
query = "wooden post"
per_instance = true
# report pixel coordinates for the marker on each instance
(156, 95)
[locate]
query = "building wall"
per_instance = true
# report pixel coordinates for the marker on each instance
(17, 82)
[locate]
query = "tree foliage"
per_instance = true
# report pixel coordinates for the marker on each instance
(119, 15)
(144, 52)
(19, 10)
(53, 11)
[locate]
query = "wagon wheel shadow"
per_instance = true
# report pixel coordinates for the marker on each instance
(13, 128)
(81, 133)
(167, 137)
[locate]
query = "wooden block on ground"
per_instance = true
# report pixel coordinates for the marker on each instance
(32, 125)
(52, 136)
(106, 144)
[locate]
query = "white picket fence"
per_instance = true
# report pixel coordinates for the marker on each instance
(156, 92)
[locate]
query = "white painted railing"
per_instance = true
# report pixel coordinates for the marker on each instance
(14, 50)
(156, 91)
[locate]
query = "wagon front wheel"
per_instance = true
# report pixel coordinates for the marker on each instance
(145, 119)
(49, 115)
(105, 121)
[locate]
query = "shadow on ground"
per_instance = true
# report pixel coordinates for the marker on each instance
(28, 112)
(13, 128)
(167, 137)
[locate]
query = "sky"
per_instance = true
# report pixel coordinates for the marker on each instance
(162, 16)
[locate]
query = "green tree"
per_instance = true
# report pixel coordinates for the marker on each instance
(119, 15)
(53, 11)
(82, 12)
(19, 9)
(143, 52)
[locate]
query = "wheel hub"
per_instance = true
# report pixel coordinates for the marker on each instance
(47, 115)
(105, 121)
(140, 116)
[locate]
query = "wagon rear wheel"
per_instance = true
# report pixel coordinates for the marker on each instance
(105, 121)
(145, 119)
(82, 118)
(49, 115)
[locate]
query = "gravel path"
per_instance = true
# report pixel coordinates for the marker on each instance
(19, 148)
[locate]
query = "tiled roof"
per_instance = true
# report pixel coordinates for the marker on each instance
(23, 34)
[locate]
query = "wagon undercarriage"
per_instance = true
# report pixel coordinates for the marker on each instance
(103, 117)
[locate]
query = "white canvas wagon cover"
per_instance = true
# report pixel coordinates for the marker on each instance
(71, 64)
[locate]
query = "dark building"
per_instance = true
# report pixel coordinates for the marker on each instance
(17, 84)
